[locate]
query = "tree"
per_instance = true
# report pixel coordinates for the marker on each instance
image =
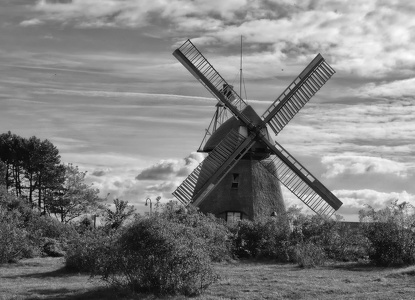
(10, 154)
(2, 174)
(41, 168)
(74, 197)
(123, 211)
(32, 167)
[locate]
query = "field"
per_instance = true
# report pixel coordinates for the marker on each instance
(45, 278)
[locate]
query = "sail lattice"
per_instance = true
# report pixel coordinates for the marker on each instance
(297, 94)
(216, 159)
(301, 182)
(202, 70)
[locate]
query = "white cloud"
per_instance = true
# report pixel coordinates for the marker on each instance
(170, 169)
(353, 201)
(352, 164)
(31, 22)
(370, 39)
(393, 89)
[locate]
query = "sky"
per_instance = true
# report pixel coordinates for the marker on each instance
(97, 78)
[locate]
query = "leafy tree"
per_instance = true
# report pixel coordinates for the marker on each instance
(74, 197)
(32, 167)
(10, 154)
(41, 168)
(2, 174)
(115, 219)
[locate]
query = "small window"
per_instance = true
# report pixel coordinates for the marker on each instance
(235, 181)
(233, 217)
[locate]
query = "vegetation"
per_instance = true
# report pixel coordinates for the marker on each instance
(169, 253)
(115, 219)
(31, 170)
(47, 278)
(391, 232)
(73, 198)
(45, 210)
(32, 167)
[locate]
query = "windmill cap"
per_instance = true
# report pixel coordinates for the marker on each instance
(234, 124)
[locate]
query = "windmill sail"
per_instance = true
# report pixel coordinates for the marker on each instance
(297, 94)
(231, 149)
(203, 71)
(301, 182)
(216, 165)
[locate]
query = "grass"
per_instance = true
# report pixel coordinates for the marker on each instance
(46, 278)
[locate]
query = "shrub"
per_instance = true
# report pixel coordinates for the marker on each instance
(309, 255)
(264, 238)
(338, 240)
(48, 227)
(162, 257)
(212, 230)
(151, 255)
(14, 243)
(390, 244)
(391, 234)
(91, 251)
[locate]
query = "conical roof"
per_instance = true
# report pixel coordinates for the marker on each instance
(234, 124)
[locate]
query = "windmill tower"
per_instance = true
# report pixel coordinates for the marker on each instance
(241, 150)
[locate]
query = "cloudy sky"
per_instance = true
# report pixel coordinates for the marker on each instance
(97, 78)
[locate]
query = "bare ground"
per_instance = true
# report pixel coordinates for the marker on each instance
(46, 278)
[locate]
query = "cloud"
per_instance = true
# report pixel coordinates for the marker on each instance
(351, 164)
(100, 172)
(370, 128)
(163, 187)
(393, 89)
(31, 22)
(168, 169)
(355, 200)
(378, 43)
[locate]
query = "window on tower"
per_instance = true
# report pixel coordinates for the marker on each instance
(233, 217)
(235, 180)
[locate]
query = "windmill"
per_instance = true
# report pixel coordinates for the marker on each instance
(244, 137)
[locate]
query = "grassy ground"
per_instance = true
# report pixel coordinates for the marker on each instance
(45, 278)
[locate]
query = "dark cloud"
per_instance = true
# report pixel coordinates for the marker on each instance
(167, 169)
(160, 171)
(58, 1)
(98, 173)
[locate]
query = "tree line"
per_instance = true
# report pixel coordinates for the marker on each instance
(31, 169)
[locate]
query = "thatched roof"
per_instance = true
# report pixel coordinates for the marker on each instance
(234, 123)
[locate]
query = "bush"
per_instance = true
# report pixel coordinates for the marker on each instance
(151, 255)
(391, 234)
(91, 251)
(162, 257)
(264, 238)
(14, 243)
(48, 227)
(390, 244)
(309, 255)
(338, 240)
(213, 231)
